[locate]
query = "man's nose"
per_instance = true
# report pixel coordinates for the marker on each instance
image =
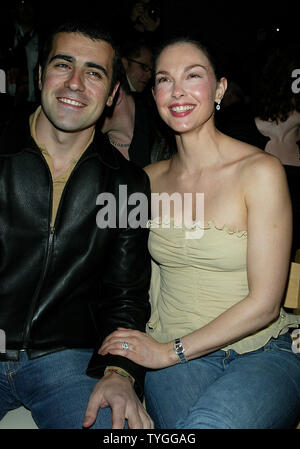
(75, 81)
(148, 75)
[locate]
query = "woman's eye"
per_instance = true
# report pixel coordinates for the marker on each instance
(162, 79)
(194, 75)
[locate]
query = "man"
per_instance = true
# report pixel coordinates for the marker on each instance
(137, 58)
(22, 48)
(145, 15)
(66, 283)
(131, 125)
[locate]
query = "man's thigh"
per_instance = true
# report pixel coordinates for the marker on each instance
(8, 400)
(56, 389)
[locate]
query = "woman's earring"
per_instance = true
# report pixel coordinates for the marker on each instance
(218, 107)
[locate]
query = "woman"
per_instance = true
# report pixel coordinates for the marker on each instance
(278, 104)
(278, 119)
(215, 297)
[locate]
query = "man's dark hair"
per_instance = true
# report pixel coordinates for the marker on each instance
(132, 48)
(92, 30)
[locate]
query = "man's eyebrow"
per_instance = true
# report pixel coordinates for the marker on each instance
(89, 64)
(61, 56)
(94, 65)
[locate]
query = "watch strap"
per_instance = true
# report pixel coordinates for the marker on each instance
(179, 350)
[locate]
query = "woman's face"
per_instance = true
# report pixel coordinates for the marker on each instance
(185, 87)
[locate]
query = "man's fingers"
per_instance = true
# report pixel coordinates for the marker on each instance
(146, 420)
(134, 418)
(118, 416)
(139, 419)
(91, 411)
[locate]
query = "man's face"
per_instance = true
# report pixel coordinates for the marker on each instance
(139, 69)
(76, 82)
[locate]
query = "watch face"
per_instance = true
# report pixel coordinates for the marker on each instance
(179, 347)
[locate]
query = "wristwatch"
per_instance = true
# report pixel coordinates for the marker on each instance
(179, 350)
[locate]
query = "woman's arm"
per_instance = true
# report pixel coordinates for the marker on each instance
(268, 205)
(268, 253)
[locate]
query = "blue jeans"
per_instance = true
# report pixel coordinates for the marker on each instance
(54, 387)
(226, 390)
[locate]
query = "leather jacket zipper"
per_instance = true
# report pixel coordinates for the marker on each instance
(26, 333)
(38, 289)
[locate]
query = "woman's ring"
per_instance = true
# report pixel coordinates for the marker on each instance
(125, 345)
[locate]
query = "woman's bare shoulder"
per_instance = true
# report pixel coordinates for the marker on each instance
(254, 167)
(251, 158)
(258, 161)
(261, 170)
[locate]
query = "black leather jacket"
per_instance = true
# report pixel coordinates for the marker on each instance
(70, 285)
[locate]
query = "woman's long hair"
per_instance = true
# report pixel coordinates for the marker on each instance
(274, 97)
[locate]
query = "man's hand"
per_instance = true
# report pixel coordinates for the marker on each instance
(117, 392)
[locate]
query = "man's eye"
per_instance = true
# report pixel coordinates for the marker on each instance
(95, 74)
(62, 65)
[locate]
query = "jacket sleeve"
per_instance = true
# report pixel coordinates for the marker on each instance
(124, 298)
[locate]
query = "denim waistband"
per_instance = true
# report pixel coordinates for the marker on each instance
(13, 355)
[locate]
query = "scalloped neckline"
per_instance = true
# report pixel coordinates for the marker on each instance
(197, 225)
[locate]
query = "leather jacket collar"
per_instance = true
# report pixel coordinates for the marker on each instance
(16, 138)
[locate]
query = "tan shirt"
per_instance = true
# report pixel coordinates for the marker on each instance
(195, 278)
(60, 181)
(58, 186)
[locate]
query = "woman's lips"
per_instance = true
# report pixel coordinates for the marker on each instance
(181, 110)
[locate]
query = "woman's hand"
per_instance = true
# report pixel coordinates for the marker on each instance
(142, 348)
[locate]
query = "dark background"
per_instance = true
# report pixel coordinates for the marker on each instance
(242, 31)
(232, 23)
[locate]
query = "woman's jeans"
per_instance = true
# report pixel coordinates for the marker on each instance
(54, 387)
(226, 390)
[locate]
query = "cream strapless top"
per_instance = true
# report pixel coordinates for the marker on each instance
(197, 274)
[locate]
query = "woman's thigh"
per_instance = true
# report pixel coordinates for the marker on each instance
(258, 390)
(171, 392)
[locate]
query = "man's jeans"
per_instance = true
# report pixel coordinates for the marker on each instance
(225, 390)
(54, 387)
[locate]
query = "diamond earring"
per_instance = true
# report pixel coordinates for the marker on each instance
(218, 107)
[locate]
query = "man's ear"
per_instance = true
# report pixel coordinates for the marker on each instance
(125, 63)
(40, 78)
(110, 99)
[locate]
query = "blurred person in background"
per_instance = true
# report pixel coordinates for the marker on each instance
(137, 58)
(277, 117)
(21, 51)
